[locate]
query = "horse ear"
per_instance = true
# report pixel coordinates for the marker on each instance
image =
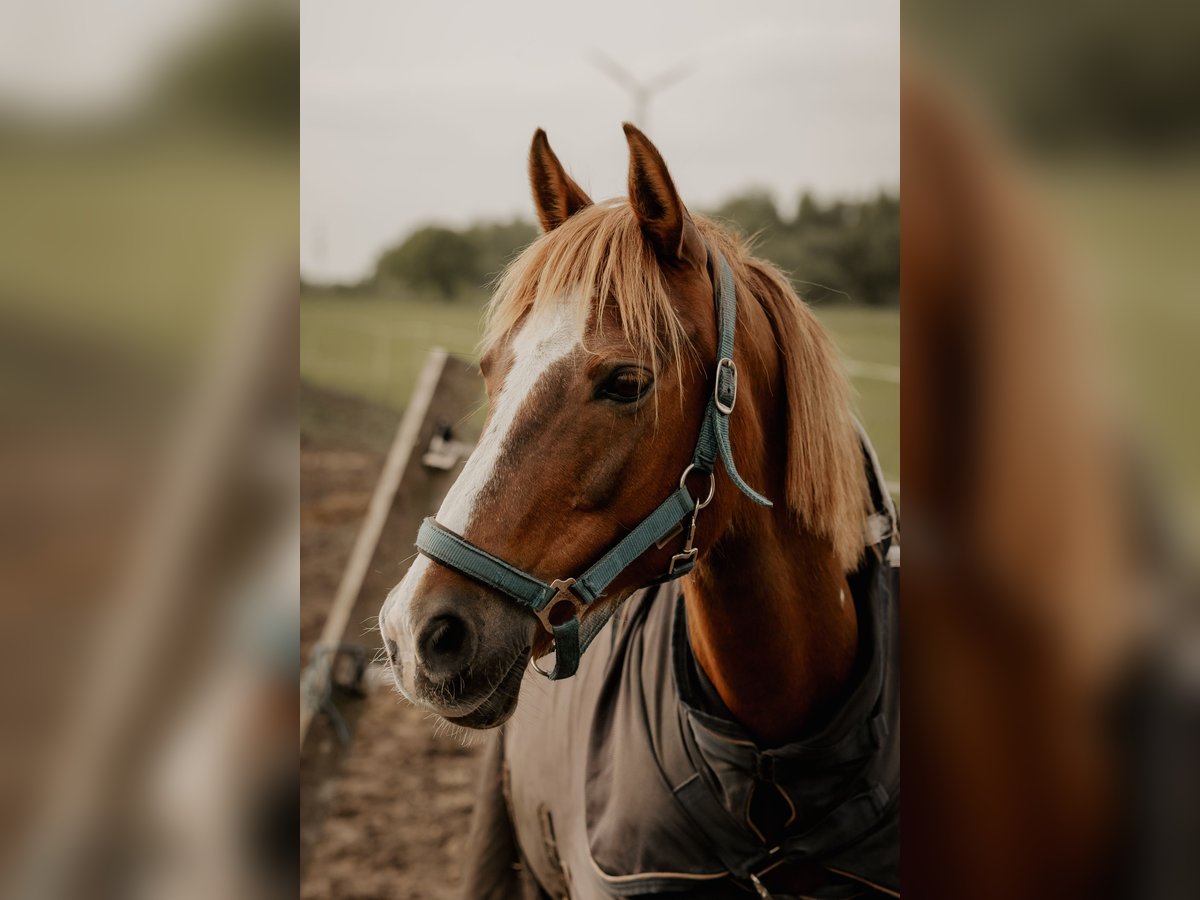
(555, 196)
(664, 219)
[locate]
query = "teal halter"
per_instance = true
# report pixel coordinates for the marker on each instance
(559, 605)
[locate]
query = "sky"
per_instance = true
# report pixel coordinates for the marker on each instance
(416, 112)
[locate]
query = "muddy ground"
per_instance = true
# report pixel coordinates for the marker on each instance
(399, 808)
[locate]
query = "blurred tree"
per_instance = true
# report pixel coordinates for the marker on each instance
(242, 75)
(431, 258)
(496, 243)
(1113, 75)
(838, 251)
(753, 212)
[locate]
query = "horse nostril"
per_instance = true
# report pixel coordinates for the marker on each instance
(446, 644)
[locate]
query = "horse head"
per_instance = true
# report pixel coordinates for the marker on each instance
(600, 360)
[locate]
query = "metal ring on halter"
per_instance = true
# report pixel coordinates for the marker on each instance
(712, 485)
(533, 662)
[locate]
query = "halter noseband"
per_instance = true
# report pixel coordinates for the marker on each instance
(552, 602)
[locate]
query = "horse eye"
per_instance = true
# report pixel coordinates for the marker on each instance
(625, 385)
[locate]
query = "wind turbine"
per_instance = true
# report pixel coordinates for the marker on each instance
(640, 91)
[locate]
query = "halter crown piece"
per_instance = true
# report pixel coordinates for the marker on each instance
(550, 602)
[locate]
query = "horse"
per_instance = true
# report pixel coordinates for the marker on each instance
(1020, 630)
(673, 497)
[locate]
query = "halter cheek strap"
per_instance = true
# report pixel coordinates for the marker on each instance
(559, 605)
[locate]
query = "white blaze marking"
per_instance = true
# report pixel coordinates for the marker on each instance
(543, 340)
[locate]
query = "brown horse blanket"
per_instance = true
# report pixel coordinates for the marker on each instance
(632, 778)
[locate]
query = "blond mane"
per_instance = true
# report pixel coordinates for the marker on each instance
(601, 250)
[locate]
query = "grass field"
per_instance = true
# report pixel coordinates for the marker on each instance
(872, 337)
(372, 347)
(144, 243)
(1134, 233)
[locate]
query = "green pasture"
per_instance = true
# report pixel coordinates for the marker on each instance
(372, 347)
(145, 242)
(870, 337)
(1133, 232)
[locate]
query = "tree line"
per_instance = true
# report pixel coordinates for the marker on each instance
(835, 251)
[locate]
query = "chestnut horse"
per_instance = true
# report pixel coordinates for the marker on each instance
(605, 356)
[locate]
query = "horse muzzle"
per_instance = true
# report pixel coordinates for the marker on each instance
(454, 650)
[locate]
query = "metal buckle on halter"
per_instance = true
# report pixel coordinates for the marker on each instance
(564, 594)
(725, 389)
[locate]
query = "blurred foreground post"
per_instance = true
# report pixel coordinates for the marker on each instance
(167, 616)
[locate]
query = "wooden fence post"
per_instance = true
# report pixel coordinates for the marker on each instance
(444, 404)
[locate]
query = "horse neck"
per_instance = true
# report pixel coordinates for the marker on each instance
(772, 624)
(770, 616)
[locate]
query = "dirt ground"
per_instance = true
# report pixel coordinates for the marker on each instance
(399, 808)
